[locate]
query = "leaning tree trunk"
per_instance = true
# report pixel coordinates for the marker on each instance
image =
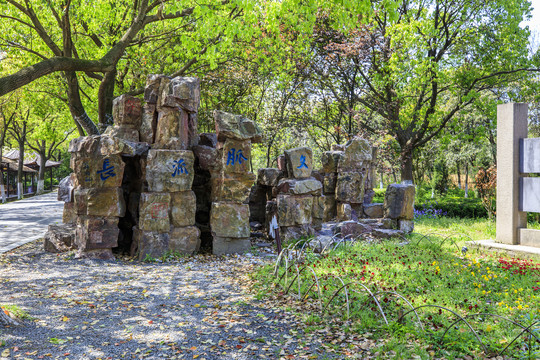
(81, 118)
(2, 187)
(406, 160)
(5, 320)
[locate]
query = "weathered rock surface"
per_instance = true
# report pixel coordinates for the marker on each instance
(229, 220)
(127, 110)
(299, 162)
(269, 176)
(386, 233)
(207, 157)
(356, 156)
(236, 156)
(172, 129)
(65, 189)
(60, 238)
(292, 233)
(330, 161)
(123, 132)
(407, 226)
(96, 233)
(98, 171)
(375, 210)
(105, 202)
(151, 90)
(329, 184)
(69, 215)
(300, 187)
(154, 212)
(294, 210)
(399, 202)
(350, 187)
(148, 123)
(236, 127)
(169, 170)
(185, 240)
(151, 244)
(330, 209)
(223, 245)
(232, 187)
(183, 205)
(352, 228)
(182, 92)
(343, 212)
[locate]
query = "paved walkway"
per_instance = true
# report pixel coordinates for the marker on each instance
(27, 220)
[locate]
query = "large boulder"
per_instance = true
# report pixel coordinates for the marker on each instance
(238, 127)
(65, 189)
(232, 187)
(95, 171)
(357, 156)
(229, 220)
(269, 176)
(169, 170)
(350, 187)
(399, 202)
(299, 162)
(123, 132)
(294, 210)
(172, 129)
(300, 187)
(154, 212)
(183, 206)
(185, 240)
(151, 90)
(105, 202)
(94, 232)
(148, 123)
(330, 161)
(182, 92)
(127, 110)
(151, 245)
(236, 156)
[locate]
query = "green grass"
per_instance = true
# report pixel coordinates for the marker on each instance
(428, 272)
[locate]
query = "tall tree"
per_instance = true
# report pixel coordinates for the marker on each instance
(418, 69)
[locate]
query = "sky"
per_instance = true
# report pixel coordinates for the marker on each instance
(534, 23)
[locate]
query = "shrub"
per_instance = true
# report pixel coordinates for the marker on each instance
(486, 185)
(453, 206)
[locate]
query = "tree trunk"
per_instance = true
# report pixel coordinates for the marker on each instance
(105, 100)
(466, 180)
(21, 162)
(406, 160)
(458, 170)
(2, 189)
(41, 175)
(76, 107)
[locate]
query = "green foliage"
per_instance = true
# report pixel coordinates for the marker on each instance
(439, 182)
(453, 206)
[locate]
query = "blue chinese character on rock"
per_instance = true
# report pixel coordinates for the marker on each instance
(302, 162)
(234, 156)
(107, 171)
(179, 167)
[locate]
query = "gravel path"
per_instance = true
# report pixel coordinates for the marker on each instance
(193, 308)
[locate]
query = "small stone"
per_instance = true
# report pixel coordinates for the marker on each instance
(169, 170)
(154, 212)
(60, 238)
(352, 228)
(183, 205)
(299, 162)
(185, 240)
(127, 110)
(344, 211)
(229, 220)
(386, 233)
(407, 226)
(65, 189)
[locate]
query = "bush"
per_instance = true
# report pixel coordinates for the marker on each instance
(453, 206)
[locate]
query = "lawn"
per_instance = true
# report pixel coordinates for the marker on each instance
(467, 302)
